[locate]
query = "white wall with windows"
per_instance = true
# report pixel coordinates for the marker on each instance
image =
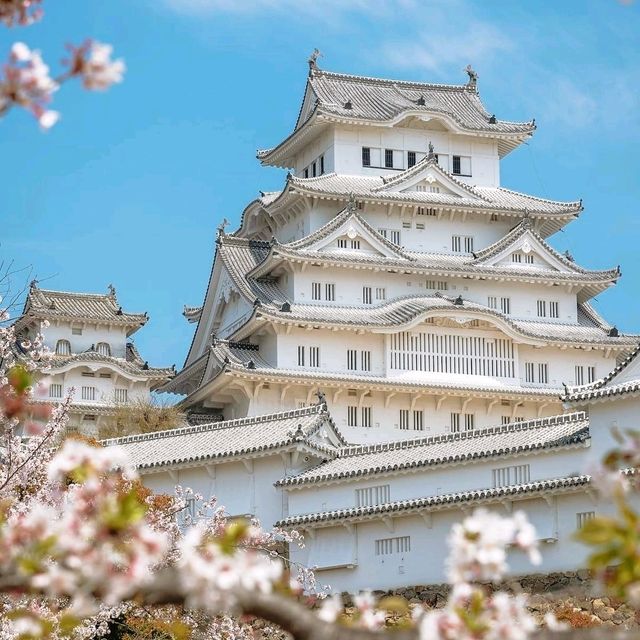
(80, 336)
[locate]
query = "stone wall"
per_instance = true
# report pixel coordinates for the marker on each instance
(573, 596)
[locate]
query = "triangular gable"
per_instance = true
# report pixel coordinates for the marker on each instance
(348, 231)
(523, 241)
(427, 175)
(309, 102)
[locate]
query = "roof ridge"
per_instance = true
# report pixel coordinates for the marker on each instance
(318, 409)
(527, 425)
(527, 195)
(374, 80)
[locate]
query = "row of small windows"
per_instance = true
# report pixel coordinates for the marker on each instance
(88, 392)
(308, 356)
(315, 168)
(462, 244)
(359, 416)
(507, 476)
(536, 372)
(326, 291)
(391, 546)
(345, 243)
(63, 348)
(518, 257)
(395, 159)
(548, 308)
(371, 496)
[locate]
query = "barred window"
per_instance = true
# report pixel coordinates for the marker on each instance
(365, 360)
(411, 159)
(314, 357)
(469, 421)
(583, 517)
(388, 158)
(88, 393)
(455, 423)
(370, 496)
(103, 348)
(367, 416)
(352, 416)
(63, 348)
(55, 390)
(418, 420)
(301, 358)
(515, 474)
(390, 546)
(367, 295)
(121, 395)
(366, 156)
(404, 419)
(352, 359)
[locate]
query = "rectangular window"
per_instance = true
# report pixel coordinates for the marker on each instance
(366, 157)
(55, 390)
(404, 419)
(492, 302)
(306, 172)
(314, 169)
(88, 374)
(505, 420)
(462, 243)
(457, 169)
(529, 372)
(316, 289)
(456, 243)
(406, 225)
(579, 379)
(105, 375)
(352, 416)
(468, 244)
(367, 296)
(373, 495)
(76, 331)
(516, 474)
(528, 258)
(381, 293)
(367, 418)
(420, 226)
(314, 357)
(554, 311)
(591, 374)
(436, 285)
(88, 393)
(321, 165)
(330, 292)
(469, 422)
(391, 546)
(418, 420)
(411, 159)
(543, 373)
(516, 257)
(584, 517)
(352, 359)
(505, 305)
(355, 244)
(365, 360)
(122, 395)
(455, 423)
(388, 158)
(394, 236)
(301, 357)
(342, 243)
(542, 309)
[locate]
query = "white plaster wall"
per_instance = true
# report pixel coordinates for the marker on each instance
(349, 140)
(91, 335)
(424, 563)
(621, 414)
(434, 480)
(321, 145)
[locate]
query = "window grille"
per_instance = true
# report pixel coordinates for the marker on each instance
(352, 359)
(342, 243)
(391, 546)
(76, 331)
(469, 421)
(591, 374)
(316, 288)
(355, 244)
(455, 423)
(88, 374)
(579, 374)
(543, 373)
(404, 419)
(542, 309)
(406, 225)
(505, 420)
(367, 295)
(301, 355)
(418, 420)
(352, 416)
(492, 302)
(505, 305)
(313, 171)
(554, 311)
(388, 158)
(370, 496)
(63, 348)
(420, 226)
(506, 476)
(411, 159)
(516, 257)
(367, 416)
(365, 360)
(366, 157)
(434, 189)
(442, 353)
(314, 357)
(330, 292)
(462, 243)
(103, 348)
(88, 393)
(105, 376)
(121, 395)
(55, 390)
(529, 372)
(381, 293)
(456, 165)
(583, 517)
(528, 258)
(436, 285)
(306, 172)
(321, 165)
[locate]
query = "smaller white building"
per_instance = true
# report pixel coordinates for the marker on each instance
(89, 335)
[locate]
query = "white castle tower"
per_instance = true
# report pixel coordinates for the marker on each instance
(394, 275)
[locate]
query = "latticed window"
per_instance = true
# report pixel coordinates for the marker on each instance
(103, 348)
(469, 422)
(388, 158)
(366, 156)
(455, 423)
(373, 495)
(88, 393)
(554, 311)
(316, 288)
(583, 517)
(516, 474)
(367, 416)
(301, 354)
(367, 297)
(381, 293)
(330, 292)
(55, 390)
(314, 357)
(365, 360)
(121, 395)
(63, 348)
(404, 419)
(389, 546)
(542, 309)
(352, 359)
(418, 420)
(352, 416)
(411, 158)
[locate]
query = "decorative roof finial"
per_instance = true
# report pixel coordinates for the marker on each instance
(432, 151)
(112, 290)
(321, 397)
(568, 256)
(33, 284)
(473, 78)
(352, 204)
(526, 220)
(221, 228)
(313, 60)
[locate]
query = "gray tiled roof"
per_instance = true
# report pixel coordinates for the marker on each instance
(231, 438)
(369, 460)
(439, 502)
(486, 198)
(605, 387)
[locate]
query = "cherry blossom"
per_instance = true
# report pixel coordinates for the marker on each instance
(92, 62)
(20, 12)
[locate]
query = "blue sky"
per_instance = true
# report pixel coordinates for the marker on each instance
(130, 185)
